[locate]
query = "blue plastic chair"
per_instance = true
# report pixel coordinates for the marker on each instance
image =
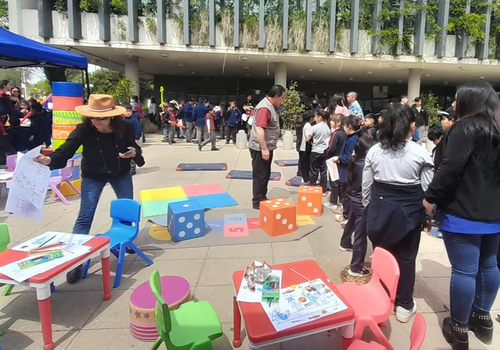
(126, 214)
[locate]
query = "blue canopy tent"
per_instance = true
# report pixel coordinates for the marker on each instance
(18, 51)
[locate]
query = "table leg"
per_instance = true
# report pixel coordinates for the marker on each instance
(236, 324)
(347, 336)
(106, 284)
(43, 296)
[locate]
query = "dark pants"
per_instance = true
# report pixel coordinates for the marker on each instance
(261, 172)
(353, 225)
(334, 194)
(360, 239)
(344, 199)
(405, 251)
(211, 138)
(91, 192)
(231, 134)
(474, 272)
(318, 169)
(304, 165)
(299, 169)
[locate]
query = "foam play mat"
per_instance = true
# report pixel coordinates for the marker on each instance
(247, 175)
(210, 196)
(286, 162)
(218, 225)
(201, 166)
(295, 181)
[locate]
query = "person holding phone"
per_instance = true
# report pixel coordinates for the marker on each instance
(108, 148)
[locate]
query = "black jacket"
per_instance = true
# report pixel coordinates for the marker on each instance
(100, 152)
(463, 185)
(336, 144)
(422, 116)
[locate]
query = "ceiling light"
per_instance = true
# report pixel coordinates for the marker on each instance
(351, 79)
(368, 73)
(400, 81)
(193, 73)
(427, 75)
(246, 68)
(301, 77)
(164, 55)
(462, 68)
(481, 77)
(181, 65)
(244, 58)
(310, 70)
(248, 75)
(445, 83)
(321, 62)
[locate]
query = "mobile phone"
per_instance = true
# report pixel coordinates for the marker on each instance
(129, 151)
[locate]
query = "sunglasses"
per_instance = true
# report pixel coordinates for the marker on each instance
(101, 119)
(15, 91)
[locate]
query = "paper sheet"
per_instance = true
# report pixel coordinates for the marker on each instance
(14, 271)
(333, 169)
(29, 187)
(303, 303)
(71, 240)
(249, 296)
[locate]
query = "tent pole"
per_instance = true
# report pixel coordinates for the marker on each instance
(88, 82)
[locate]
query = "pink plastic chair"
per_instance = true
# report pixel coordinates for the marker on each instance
(371, 303)
(65, 175)
(11, 161)
(417, 336)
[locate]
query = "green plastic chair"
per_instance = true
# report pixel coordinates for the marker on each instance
(4, 242)
(193, 326)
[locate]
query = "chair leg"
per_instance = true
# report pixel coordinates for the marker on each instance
(85, 269)
(115, 252)
(73, 187)
(7, 290)
(157, 344)
(140, 253)
(60, 195)
(119, 267)
(382, 339)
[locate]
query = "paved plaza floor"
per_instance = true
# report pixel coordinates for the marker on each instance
(82, 320)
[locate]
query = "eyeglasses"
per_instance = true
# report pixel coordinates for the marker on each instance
(101, 119)
(15, 91)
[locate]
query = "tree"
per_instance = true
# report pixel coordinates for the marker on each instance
(12, 75)
(431, 104)
(4, 14)
(123, 90)
(104, 80)
(292, 105)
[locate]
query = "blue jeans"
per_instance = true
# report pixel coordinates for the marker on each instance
(475, 277)
(91, 192)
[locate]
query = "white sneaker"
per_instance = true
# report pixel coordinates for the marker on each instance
(363, 273)
(330, 206)
(339, 218)
(342, 249)
(403, 315)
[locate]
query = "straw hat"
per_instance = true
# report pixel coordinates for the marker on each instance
(100, 106)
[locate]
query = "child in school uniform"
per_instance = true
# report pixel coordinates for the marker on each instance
(318, 134)
(172, 122)
(370, 128)
(335, 145)
(210, 125)
(128, 117)
(351, 124)
(305, 147)
(354, 192)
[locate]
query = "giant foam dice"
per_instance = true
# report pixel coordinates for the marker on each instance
(310, 200)
(186, 220)
(278, 216)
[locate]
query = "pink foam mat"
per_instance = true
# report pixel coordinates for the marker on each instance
(203, 189)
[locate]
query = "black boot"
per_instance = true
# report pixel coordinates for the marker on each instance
(455, 334)
(481, 324)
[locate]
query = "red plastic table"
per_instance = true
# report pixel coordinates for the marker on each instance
(259, 328)
(42, 281)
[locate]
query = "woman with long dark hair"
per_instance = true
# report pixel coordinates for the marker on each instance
(466, 190)
(108, 147)
(396, 174)
(337, 105)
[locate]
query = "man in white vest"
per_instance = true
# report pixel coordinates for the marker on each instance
(263, 140)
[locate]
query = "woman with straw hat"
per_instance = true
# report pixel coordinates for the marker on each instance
(108, 147)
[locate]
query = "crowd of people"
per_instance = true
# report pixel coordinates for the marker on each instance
(387, 188)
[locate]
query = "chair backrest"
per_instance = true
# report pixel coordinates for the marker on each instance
(4, 236)
(11, 161)
(126, 210)
(418, 331)
(386, 270)
(162, 313)
(67, 172)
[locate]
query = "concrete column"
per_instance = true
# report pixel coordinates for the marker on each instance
(280, 72)
(414, 83)
(132, 71)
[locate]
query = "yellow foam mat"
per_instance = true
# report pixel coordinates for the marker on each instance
(159, 194)
(304, 220)
(159, 233)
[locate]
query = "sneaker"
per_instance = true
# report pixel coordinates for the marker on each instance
(164, 140)
(403, 315)
(340, 218)
(330, 206)
(345, 249)
(215, 149)
(363, 273)
(435, 233)
(199, 147)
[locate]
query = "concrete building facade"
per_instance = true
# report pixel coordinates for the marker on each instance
(224, 50)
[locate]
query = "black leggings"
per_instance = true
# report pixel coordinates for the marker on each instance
(318, 169)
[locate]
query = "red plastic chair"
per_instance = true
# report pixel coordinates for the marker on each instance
(417, 336)
(371, 302)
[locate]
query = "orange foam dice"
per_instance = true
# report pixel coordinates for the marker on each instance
(278, 217)
(310, 200)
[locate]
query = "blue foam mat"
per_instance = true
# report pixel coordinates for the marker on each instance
(247, 175)
(287, 162)
(217, 200)
(201, 166)
(295, 181)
